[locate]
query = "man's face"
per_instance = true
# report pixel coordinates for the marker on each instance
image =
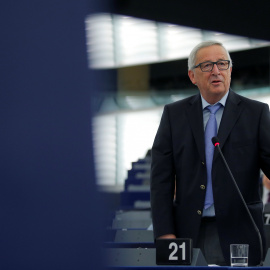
(214, 84)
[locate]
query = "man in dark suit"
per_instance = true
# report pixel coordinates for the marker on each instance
(179, 163)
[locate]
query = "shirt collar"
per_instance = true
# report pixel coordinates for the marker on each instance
(222, 101)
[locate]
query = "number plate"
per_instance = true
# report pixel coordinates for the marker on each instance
(174, 251)
(266, 218)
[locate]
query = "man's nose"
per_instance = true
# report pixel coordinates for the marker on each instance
(215, 69)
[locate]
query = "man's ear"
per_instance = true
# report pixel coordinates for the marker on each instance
(192, 76)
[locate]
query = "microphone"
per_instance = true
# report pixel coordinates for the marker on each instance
(215, 142)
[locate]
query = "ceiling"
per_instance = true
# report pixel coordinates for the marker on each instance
(244, 18)
(115, 41)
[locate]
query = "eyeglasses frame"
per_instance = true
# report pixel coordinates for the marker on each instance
(199, 65)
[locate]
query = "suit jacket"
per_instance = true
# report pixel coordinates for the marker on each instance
(178, 158)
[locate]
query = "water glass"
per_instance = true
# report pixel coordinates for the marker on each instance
(239, 255)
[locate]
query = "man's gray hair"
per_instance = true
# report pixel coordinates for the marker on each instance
(204, 44)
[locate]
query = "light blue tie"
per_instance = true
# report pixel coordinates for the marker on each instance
(210, 132)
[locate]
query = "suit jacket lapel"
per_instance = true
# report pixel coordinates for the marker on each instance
(194, 114)
(230, 115)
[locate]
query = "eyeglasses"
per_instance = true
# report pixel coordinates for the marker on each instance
(208, 65)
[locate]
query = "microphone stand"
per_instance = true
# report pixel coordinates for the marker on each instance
(215, 142)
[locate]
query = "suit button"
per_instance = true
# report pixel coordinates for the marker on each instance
(202, 186)
(202, 163)
(199, 212)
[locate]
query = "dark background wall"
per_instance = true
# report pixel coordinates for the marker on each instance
(250, 70)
